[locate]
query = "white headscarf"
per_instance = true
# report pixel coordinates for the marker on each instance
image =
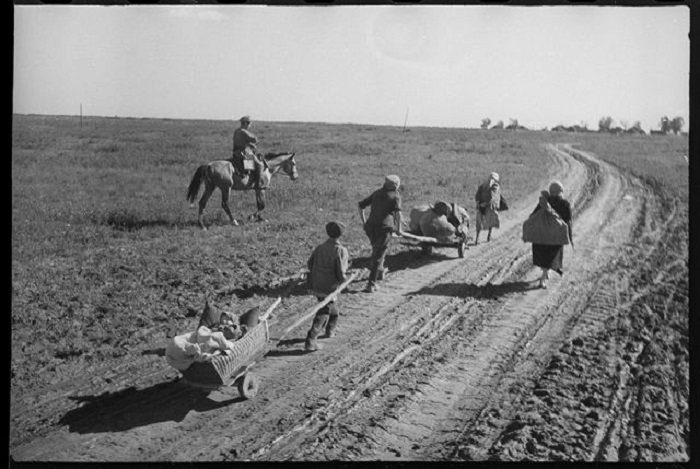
(492, 179)
(555, 188)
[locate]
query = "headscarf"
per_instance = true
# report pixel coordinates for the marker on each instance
(392, 182)
(555, 188)
(493, 178)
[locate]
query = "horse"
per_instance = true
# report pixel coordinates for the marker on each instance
(226, 177)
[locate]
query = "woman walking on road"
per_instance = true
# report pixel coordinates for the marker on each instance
(551, 256)
(488, 203)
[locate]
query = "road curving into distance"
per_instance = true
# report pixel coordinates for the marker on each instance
(457, 359)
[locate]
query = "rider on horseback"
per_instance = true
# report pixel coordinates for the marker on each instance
(244, 158)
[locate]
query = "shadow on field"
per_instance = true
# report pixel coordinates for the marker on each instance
(127, 221)
(131, 408)
(287, 342)
(287, 353)
(461, 290)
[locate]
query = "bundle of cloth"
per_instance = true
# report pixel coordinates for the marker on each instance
(440, 220)
(216, 334)
(545, 226)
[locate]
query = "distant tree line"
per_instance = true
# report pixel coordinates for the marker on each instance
(675, 125)
(605, 124)
(513, 125)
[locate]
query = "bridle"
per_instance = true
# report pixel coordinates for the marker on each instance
(288, 163)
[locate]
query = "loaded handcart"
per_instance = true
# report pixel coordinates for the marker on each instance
(447, 221)
(232, 368)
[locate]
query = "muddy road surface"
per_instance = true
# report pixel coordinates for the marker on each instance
(452, 359)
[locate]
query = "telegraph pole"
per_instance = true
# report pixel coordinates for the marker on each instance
(405, 120)
(81, 115)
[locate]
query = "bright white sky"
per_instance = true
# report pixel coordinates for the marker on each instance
(450, 66)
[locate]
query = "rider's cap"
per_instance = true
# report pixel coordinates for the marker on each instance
(335, 229)
(245, 119)
(392, 182)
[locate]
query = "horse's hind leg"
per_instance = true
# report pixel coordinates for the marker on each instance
(225, 193)
(208, 190)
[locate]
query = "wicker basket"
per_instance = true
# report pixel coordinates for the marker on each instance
(223, 370)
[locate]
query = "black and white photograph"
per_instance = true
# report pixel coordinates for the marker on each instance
(336, 232)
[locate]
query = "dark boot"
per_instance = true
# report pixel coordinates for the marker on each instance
(320, 322)
(311, 345)
(330, 326)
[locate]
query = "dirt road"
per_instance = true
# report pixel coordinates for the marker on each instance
(458, 359)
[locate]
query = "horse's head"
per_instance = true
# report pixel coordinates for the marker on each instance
(290, 167)
(285, 162)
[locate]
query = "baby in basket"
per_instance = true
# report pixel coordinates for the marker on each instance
(217, 332)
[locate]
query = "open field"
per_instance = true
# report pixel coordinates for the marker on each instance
(454, 359)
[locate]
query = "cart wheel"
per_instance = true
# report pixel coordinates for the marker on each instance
(427, 249)
(460, 248)
(248, 385)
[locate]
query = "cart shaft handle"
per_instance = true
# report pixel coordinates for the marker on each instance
(270, 309)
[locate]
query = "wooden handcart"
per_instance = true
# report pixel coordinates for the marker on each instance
(427, 243)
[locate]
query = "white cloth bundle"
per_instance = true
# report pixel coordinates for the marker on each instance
(196, 346)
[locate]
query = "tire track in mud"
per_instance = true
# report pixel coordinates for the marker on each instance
(478, 380)
(397, 366)
(480, 278)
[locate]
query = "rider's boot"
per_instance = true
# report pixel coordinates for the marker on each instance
(258, 175)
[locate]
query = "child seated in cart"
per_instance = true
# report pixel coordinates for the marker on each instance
(216, 333)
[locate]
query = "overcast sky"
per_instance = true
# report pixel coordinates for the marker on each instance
(449, 66)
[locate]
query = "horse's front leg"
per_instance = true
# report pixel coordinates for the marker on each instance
(225, 193)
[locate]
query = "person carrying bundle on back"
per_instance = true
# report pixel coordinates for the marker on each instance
(549, 228)
(328, 267)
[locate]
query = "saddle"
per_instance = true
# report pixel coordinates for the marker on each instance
(247, 168)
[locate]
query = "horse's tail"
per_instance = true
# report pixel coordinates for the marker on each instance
(196, 181)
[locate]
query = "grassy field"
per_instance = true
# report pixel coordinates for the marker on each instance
(658, 160)
(103, 240)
